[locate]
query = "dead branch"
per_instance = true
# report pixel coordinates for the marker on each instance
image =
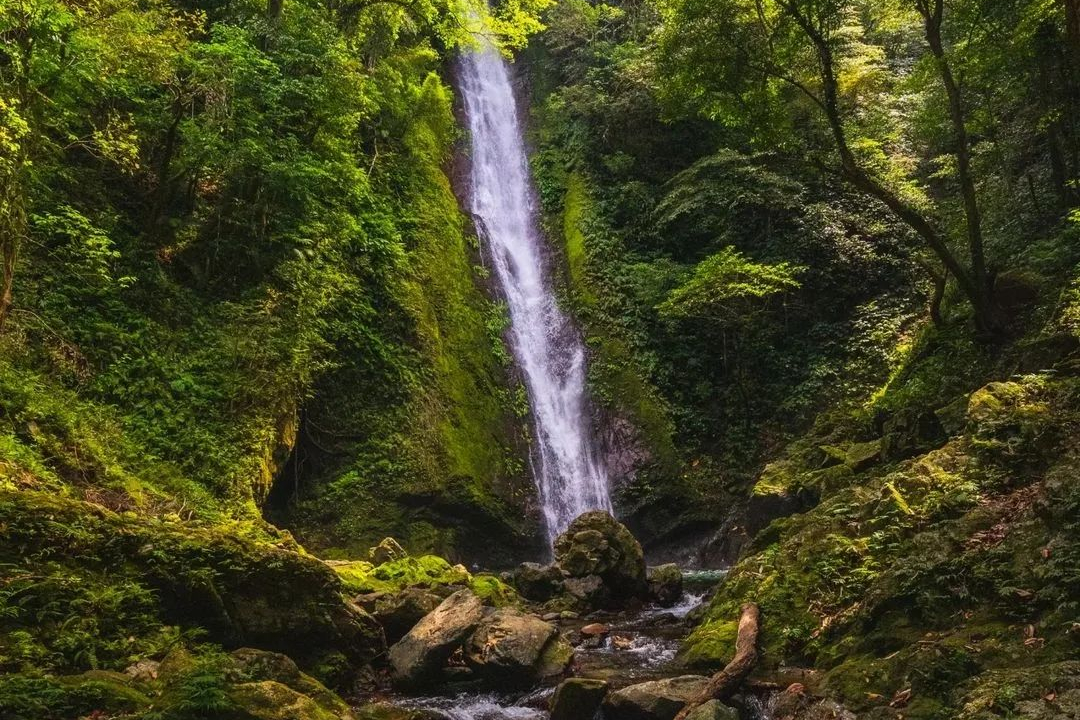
(724, 683)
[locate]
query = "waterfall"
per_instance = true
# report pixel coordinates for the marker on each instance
(569, 476)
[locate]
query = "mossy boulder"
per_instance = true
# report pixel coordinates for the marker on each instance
(270, 700)
(665, 584)
(578, 699)
(596, 544)
(252, 665)
(713, 710)
(425, 571)
(236, 585)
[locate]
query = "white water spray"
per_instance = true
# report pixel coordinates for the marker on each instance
(569, 477)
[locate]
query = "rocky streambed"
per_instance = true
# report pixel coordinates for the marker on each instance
(595, 632)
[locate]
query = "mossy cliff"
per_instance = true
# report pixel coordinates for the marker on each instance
(424, 440)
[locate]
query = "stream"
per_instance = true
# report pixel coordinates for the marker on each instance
(639, 647)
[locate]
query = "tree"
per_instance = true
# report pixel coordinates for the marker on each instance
(805, 74)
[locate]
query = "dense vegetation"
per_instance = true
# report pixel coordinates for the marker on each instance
(824, 254)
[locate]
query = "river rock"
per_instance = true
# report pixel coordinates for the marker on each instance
(596, 544)
(665, 584)
(578, 699)
(538, 582)
(386, 551)
(713, 710)
(595, 629)
(424, 650)
(510, 646)
(399, 612)
(655, 700)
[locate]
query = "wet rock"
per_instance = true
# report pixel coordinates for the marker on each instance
(596, 544)
(398, 613)
(713, 710)
(578, 699)
(656, 700)
(387, 551)
(589, 590)
(665, 584)
(508, 645)
(551, 616)
(595, 629)
(424, 650)
(538, 582)
(555, 660)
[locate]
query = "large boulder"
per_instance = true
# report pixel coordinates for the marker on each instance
(510, 646)
(423, 652)
(655, 700)
(578, 699)
(538, 582)
(665, 584)
(598, 544)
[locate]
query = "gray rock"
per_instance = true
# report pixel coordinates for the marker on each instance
(656, 700)
(589, 589)
(508, 645)
(665, 584)
(578, 699)
(538, 582)
(424, 650)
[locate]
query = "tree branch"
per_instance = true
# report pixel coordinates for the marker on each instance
(724, 683)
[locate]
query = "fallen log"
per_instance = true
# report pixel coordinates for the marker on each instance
(723, 684)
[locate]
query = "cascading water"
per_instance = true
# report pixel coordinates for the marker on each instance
(569, 476)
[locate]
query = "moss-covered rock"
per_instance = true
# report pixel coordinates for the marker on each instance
(239, 589)
(917, 578)
(270, 700)
(596, 544)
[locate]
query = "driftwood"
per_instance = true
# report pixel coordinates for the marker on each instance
(723, 684)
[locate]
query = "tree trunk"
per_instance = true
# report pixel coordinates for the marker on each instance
(6, 282)
(932, 17)
(724, 683)
(1072, 31)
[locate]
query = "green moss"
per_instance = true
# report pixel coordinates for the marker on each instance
(424, 571)
(28, 697)
(710, 645)
(493, 591)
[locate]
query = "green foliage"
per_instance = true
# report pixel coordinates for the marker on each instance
(725, 283)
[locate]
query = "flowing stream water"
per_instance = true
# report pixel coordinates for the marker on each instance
(570, 477)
